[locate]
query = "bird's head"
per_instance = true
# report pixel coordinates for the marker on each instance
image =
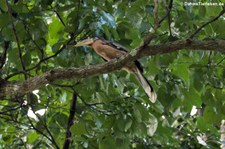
(86, 42)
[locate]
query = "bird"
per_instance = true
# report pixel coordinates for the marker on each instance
(109, 50)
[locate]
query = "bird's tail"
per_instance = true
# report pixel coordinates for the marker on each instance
(146, 86)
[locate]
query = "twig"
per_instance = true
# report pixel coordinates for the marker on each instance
(156, 19)
(151, 35)
(207, 23)
(78, 16)
(220, 61)
(10, 110)
(51, 136)
(17, 39)
(58, 15)
(70, 121)
(42, 133)
(10, 120)
(94, 107)
(72, 37)
(47, 129)
(35, 43)
(42, 60)
(24, 143)
(169, 8)
(167, 15)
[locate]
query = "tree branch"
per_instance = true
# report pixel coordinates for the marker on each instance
(58, 15)
(43, 59)
(156, 18)
(150, 36)
(169, 8)
(70, 121)
(37, 130)
(17, 39)
(21, 88)
(207, 23)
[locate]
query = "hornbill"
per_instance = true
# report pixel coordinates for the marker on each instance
(109, 50)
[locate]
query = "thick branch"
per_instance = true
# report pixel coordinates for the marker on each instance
(209, 45)
(21, 88)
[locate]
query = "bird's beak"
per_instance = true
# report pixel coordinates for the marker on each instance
(85, 42)
(79, 44)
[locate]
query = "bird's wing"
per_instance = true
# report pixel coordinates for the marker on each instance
(122, 48)
(114, 45)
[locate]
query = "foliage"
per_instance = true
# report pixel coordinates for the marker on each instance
(112, 109)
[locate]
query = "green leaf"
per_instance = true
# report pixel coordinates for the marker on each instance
(159, 107)
(102, 97)
(61, 119)
(88, 59)
(191, 98)
(141, 131)
(115, 34)
(207, 97)
(202, 11)
(54, 129)
(137, 115)
(197, 79)
(210, 115)
(7, 34)
(128, 125)
(20, 8)
(120, 123)
(107, 142)
(4, 19)
(106, 31)
(55, 31)
(3, 5)
(62, 59)
(78, 129)
(123, 143)
(32, 136)
(182, 71)
(217, 27)
(167, 59)
(38, 29)
(134, 35)
(7, 138)
(27, 58)
(152, 125)
(202, 125)
(109, 122)
(14, 57)
(21, 32)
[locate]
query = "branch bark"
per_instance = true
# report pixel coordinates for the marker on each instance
(13, 90)
(67, 141)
